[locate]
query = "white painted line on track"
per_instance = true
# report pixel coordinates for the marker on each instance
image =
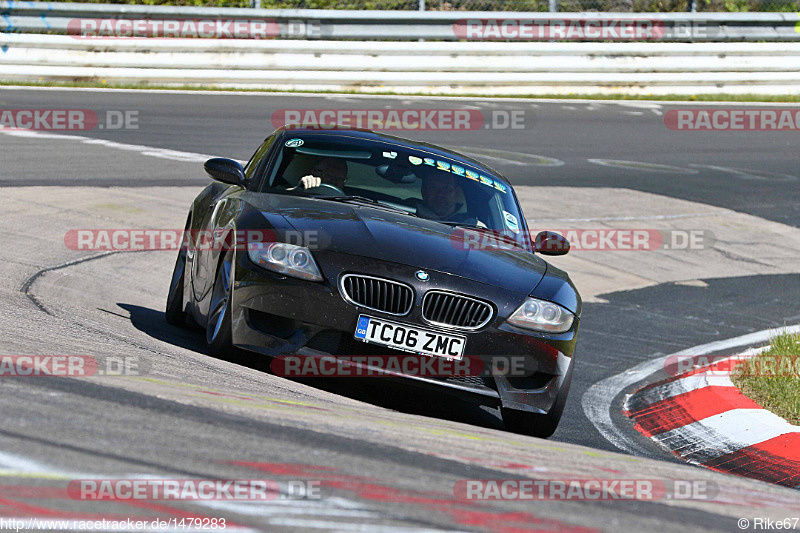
(514, 158)
(642, 166)
(342, 526)
(161, 153)
(334, 507)
(623, 219)
(18, 462)
(597, 401)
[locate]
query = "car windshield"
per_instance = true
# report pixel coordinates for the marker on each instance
(419, 183)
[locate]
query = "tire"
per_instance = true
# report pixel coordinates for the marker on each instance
(174, 312)
(218, 325)
(535, 424)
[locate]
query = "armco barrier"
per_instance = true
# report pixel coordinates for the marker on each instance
(44, 17)
(406, 67)
(41, 51)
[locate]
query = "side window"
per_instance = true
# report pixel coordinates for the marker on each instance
(250, 170)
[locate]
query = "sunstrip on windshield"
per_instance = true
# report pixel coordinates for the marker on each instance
(461, 171)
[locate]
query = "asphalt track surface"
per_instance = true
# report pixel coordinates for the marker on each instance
(388, 457)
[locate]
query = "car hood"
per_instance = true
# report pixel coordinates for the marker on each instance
(385, 235)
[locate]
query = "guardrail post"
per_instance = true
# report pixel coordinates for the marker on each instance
(552, 6)
(422, 5)
(256, 4)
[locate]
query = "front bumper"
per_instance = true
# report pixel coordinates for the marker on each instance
(276, 315)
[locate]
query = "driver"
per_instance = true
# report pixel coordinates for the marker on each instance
(327, 170)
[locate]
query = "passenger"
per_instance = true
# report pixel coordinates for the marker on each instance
(440, 195)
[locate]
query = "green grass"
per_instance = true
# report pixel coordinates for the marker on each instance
(488, 5)
(779, 392)
(650, 97)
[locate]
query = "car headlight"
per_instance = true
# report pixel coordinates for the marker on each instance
(288, 259)
(540, 315)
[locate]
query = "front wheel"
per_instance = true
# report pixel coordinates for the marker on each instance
(535, 424)
(218, 326)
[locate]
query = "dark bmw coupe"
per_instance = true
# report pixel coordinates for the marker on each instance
(371, 244)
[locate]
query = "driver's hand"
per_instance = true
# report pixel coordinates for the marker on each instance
(309, 182)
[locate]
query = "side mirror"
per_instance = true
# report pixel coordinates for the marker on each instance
(225, 170)
(551, 243)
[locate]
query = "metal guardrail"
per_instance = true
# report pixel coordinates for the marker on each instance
(43, 17)
(409, 67)
(316, 50)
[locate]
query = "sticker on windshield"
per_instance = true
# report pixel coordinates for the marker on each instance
(429, 161)
(390, 155)
(293, 143)
(472, 175)
(441, 165)
(458, 171)
(414, 160)
(511, 221)
(499, 186)
(487, 181)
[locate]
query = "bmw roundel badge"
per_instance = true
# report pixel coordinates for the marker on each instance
(422, 275)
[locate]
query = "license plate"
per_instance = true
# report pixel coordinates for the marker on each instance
(409, 338)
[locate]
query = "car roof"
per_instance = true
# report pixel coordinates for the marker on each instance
(358, 134)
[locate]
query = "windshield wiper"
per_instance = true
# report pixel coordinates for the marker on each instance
(460, 224)
(363, 199)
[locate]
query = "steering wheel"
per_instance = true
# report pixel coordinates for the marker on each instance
(326, 189)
